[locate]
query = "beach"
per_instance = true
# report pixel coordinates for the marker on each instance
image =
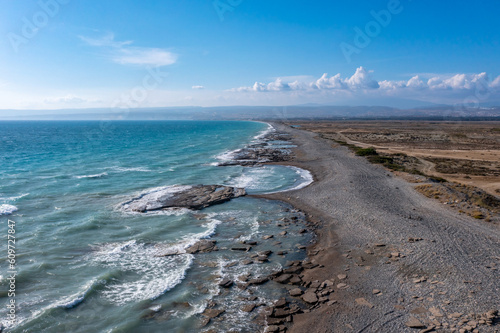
(399, 261)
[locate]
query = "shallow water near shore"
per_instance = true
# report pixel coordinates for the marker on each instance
(85, 265)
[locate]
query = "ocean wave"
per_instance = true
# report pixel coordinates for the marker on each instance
(133, 169)
(270, 128)
(99, 175)
(148, 270)
(305, 175)
(144, 274)
(7, 209)
(153, 195)
(15, 198)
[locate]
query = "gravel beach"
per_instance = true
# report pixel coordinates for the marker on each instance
(399, 262)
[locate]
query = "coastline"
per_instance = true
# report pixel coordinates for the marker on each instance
(384, 246)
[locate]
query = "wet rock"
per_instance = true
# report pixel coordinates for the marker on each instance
(241, 248)
(202, 246)
(284, 278)
(192, 197)
(226, 283)
(250, 242)
(246, 262)
(267, 237)
(259, 280)
(213, 313)
(248, 308)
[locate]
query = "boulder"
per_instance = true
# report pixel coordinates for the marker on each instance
(192, 197)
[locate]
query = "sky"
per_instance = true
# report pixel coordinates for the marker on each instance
(63, 54)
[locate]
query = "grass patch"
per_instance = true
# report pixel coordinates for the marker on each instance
(366, 151)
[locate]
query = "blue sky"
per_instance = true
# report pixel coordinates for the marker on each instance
(124, 53)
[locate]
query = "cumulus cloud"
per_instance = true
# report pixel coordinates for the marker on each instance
(435, 87)
(125, 54)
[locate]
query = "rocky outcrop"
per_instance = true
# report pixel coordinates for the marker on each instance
(192, 197)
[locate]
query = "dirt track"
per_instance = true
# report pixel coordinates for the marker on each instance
(452, 269)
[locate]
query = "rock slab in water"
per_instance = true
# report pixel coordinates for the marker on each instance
(192, 197)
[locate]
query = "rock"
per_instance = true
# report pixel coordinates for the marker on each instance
(248, 308)
(376, 291)
(258, 281)
(281, 253)
(249, 242)
(379, 245)
(414, 323)
(226, 283)
(246, 262)
(192, 197)
(296, 292)
(241, 248)
(341, 286)
(283, 233)
(212, 313)
(436, 312)
(302, 231)
(280, 303)
(267, 237)
(310, 297)
(429, 329)
(272, 328)
(281, 313)
(342, 276)
(202, 246)
(284, 278)
(295, 279)
(362, 301)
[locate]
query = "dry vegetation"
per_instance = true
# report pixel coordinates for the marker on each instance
(458, 162)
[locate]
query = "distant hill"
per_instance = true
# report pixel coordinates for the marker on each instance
(309, 111)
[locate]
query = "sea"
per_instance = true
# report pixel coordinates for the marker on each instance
(81, 263)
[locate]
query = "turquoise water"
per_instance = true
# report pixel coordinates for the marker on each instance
(84, 265)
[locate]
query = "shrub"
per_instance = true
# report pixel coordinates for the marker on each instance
(366, 151)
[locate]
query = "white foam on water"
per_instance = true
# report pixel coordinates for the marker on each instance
(153, 196)
(148, 275)
(7, 209)
(254, 230)
(270, 128)
(99, 175)
(149, 272)
(133, 169)
(11, 199)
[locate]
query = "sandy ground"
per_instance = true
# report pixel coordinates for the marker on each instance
(403, 255)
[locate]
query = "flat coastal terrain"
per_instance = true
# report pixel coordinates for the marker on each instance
(399, 261)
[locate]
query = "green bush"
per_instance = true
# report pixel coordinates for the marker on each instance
(366, 152)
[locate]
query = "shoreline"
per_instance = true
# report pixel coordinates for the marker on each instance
(387, 249)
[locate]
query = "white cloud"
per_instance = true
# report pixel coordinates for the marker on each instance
(67, 99)
(197, 87)
(124, 54)
(362, 80)
(144, 56)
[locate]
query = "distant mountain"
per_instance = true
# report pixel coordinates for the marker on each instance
(309, 111)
